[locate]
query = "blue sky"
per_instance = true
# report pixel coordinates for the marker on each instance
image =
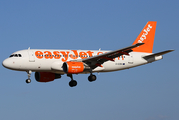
(148, 92)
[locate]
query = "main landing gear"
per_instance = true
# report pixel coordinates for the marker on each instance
(29, 74)
(92, 78)
(73, 82)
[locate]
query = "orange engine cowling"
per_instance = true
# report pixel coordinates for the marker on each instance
(73, 67)
(46, 76)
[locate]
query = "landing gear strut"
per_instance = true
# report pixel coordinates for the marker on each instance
(29, 74)
(72, 83)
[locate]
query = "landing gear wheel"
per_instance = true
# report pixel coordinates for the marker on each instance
(72, 83)
(28, 80)
(92, 78)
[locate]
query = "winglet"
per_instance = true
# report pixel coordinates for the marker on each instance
(146, 36)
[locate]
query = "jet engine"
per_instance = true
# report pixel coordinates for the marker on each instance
(75, 67)
(46, 76)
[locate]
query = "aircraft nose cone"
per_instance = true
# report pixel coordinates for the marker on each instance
(5, 63)
(11, 64)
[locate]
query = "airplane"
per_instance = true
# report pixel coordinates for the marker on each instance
(50, 64)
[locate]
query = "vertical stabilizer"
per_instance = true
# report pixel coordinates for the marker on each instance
(147, 37)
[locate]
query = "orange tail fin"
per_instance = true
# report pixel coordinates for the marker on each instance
(146, 36)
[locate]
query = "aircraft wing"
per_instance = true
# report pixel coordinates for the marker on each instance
(97, 60)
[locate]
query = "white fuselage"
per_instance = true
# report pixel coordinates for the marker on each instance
(42, 60)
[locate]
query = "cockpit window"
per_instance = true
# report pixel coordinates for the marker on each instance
(11, 55)
(15, 55)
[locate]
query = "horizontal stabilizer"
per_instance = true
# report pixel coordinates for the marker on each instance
(157, 54)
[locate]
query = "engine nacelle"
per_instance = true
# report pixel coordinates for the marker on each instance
(74, 67)
(46, 76)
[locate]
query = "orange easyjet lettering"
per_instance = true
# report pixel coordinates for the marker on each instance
(99, 53)
(75, 56)
(90, 53)
(39, 54)
(83, 55)
(56, 54)
(48, 55)
(64, 54)
(122, 57)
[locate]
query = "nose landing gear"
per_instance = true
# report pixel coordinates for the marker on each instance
(29, 74)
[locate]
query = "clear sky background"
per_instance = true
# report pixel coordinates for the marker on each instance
(148, 92)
